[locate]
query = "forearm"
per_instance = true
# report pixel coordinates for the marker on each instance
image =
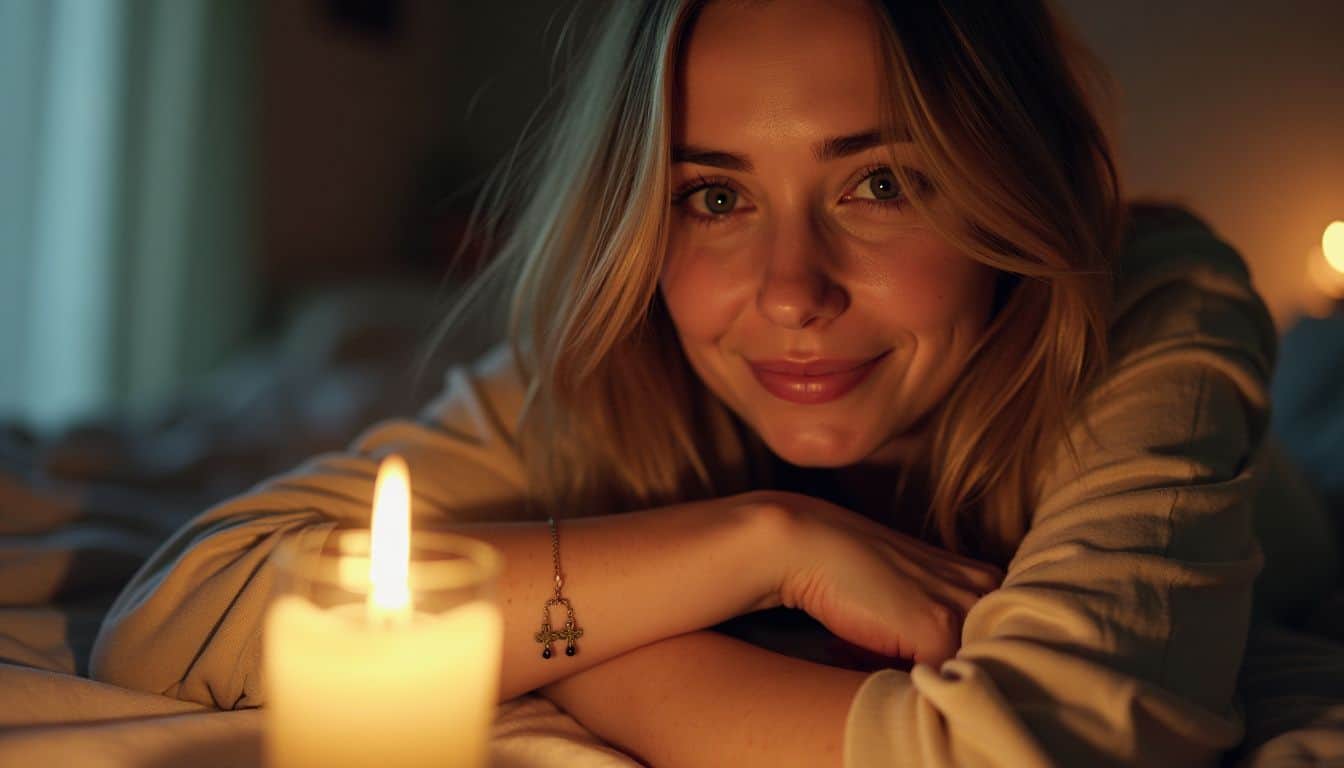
(633, 579)
(704, 698)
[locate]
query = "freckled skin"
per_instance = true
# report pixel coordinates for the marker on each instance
(799, 268)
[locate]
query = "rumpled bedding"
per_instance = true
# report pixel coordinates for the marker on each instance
(79, 515)
(61, 563)
(80, 512)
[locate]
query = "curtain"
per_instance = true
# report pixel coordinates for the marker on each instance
(125, 233)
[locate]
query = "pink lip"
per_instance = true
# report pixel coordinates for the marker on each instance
(816, 381)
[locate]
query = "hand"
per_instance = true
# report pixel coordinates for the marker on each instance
(882, 590)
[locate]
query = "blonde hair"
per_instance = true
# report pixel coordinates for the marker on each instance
(995, 99)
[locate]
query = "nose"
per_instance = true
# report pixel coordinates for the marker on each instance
(797, 287)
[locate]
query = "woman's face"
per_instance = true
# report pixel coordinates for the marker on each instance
(790, 244)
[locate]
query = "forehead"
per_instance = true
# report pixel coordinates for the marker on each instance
(777, 70)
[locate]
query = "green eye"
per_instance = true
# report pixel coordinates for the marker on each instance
(719, 199)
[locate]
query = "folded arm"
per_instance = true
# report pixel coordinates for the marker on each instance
(189, 623)
(707, 699)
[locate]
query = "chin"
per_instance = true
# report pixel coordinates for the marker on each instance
(807, 452)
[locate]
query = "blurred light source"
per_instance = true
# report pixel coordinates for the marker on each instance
(1325, 273)
(1332, 245)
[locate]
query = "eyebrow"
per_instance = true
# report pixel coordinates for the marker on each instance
(829, 149)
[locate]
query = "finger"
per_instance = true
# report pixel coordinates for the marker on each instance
(981, 575)
(926, 554)
(980, 578)
(939, 568)
(979, 571)
(863, 524)
(960, 598)
(938, 645)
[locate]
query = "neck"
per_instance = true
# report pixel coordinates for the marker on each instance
(869, 488)
(875, 489)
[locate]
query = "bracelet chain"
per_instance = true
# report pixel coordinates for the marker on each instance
(571, 632)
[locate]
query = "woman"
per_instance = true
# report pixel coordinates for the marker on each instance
(916, 198)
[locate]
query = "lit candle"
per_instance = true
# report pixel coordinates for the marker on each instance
(409, 676)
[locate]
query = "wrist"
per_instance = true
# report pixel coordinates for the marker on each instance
(767, 524)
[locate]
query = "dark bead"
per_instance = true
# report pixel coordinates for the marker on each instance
(546, 653)
(570, 650)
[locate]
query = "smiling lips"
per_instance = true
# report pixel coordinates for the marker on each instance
(813, 382)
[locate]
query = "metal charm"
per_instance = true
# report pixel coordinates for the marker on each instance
(569, 634)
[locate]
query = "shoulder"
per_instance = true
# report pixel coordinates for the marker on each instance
(483, 395)
(461, 446)
(1177, 283)
(1185, 306)
(1192, 350)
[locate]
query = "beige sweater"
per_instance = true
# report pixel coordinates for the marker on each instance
(1115, 638)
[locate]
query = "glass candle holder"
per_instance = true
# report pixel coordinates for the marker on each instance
(347, 684)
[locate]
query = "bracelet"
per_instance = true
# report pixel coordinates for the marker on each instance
(570, 633)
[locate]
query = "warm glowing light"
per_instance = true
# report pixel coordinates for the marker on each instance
(390, 545)
(1332, 245)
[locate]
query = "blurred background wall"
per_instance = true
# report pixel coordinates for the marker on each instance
(1235, 107)
(176, 176)
(126, 182)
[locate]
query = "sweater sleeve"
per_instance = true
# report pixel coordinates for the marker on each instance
(1118, 631)
(188, 624)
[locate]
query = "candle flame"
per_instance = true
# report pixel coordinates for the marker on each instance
(1332, 245)
(390, 541)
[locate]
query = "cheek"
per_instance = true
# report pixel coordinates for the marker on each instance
(703, 293)
(932, 288)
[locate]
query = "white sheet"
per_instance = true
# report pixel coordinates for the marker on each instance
(53, 718)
